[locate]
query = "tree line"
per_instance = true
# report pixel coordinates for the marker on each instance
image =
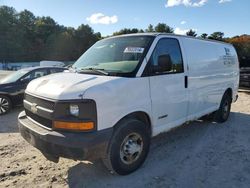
(25, 37)
(164, 28)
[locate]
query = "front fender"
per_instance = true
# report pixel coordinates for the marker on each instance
(118, 98)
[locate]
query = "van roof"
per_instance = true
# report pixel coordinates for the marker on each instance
(170, 34)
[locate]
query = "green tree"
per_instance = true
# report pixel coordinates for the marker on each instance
(128, 31)
(9, 36)
(45, 26)
(27, 20)
(85, 37)
(60, 46)
(150, 28)
(191, 33)
(25, 37)
(217, 36)
(163, 28)
(204, 35)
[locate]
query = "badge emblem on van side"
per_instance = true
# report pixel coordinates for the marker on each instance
(227, 51)
(228, 58)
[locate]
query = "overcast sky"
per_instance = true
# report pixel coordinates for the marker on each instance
(107, 16)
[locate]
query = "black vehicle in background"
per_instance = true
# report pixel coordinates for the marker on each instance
(245, 71)
(245, 77)
(12, 87)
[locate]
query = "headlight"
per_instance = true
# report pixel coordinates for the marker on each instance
(74, 110)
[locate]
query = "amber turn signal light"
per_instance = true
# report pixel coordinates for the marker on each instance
(75, 126)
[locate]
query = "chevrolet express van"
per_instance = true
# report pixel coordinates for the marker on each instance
(125, 90)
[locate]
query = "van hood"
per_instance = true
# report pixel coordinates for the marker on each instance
(65, 86)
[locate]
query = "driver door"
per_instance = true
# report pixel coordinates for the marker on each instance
(167, 88)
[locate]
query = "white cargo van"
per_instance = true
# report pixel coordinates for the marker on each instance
(125, 90)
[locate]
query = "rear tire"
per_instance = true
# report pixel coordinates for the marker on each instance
(128, 147)
(222, 114)
(5, 104)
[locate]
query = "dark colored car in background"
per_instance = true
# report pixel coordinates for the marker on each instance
(12, 87)
(245, 77)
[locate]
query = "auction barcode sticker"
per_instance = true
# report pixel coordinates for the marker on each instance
(133, 50)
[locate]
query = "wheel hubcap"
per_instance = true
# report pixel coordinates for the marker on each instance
(131, 148)
(4, 105)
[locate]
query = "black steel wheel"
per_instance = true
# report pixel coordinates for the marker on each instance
(128, 147)
(222, 114)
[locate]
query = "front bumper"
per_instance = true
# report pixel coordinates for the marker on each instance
(53, 144)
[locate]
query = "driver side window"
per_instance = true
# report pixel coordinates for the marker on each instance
(167, 47)
(39, 73)
(35, 74)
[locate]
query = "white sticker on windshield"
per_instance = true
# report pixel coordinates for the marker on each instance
(134, 50)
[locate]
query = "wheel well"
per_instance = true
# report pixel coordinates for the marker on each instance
(142, 116)
(9, 97)
(230, 92)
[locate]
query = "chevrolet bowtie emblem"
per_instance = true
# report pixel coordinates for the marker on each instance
(33, 108)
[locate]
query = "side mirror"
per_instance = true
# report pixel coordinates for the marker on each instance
(24, 80)
(165, 62)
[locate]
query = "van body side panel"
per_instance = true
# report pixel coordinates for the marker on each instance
(229, 58)
(118, 98)
(209, 75)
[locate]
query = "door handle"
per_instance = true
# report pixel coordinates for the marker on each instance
(186, 81)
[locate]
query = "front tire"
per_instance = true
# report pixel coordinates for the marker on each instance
(128, 147)
(222, 114)
(5, 104)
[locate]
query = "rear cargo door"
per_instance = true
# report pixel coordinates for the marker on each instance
(167, 88)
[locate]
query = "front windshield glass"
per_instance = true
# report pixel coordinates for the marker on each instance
(13, 77)
(118, 56)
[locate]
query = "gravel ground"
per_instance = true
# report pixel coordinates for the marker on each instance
(199, 154)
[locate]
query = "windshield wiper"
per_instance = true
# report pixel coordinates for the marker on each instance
(96, 70)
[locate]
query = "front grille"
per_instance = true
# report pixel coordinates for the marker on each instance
(40, 102)
(43, 121)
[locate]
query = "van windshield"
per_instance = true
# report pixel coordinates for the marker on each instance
(119, 56)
